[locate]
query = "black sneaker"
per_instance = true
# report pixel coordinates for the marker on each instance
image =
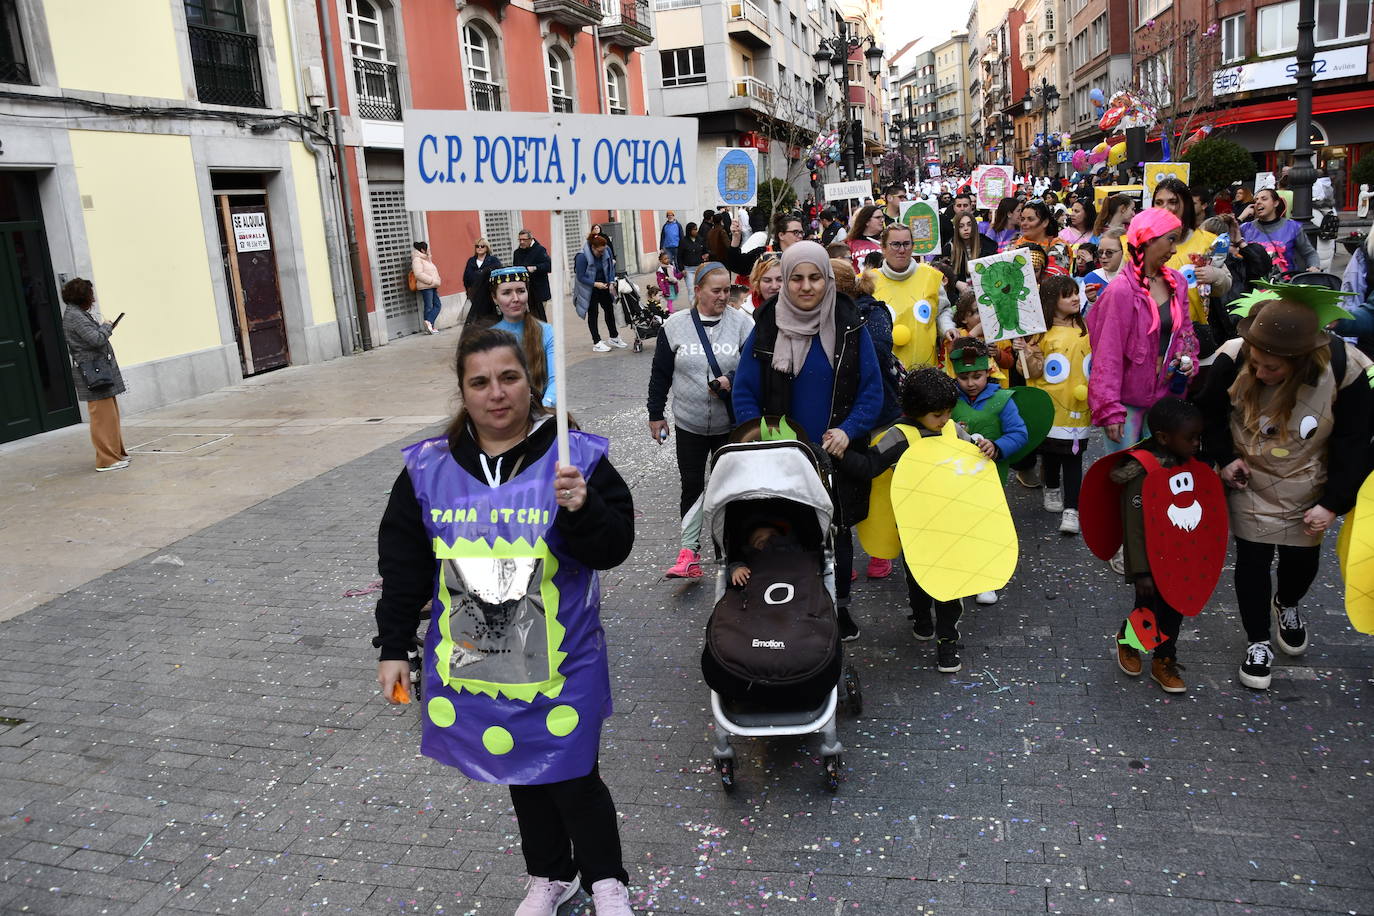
(947, 656)
(1254, 670)
(1292, 634)
(849, 630)
(923, 628)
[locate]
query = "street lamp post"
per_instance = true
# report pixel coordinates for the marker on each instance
(835, 52)
(1008, 132)
(1049, 101)
(1303, 172)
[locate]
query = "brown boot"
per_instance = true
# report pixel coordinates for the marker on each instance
(1127, 657)
(1165, 673)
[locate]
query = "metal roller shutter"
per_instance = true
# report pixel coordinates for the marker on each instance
(392, 246)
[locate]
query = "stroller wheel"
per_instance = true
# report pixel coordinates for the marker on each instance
(832, 773)
(726, 769)
(638, 345)
(854, 692)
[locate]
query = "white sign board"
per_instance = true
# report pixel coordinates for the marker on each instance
(250, 232)
(484, 160)
(1008, 298)
(737, 176)
(848, 190)
(1338, 63)
(1265, 180)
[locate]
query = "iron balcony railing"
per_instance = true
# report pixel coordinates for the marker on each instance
(226, 67)
(14, 65)
(675, 4)
(746, 11)
(486, 96)
(379, 91)
(562, 103)
(751, 87)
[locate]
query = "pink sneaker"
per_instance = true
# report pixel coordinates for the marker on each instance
(879, 568)
(688, 565)
(611, 898)
(543, 896)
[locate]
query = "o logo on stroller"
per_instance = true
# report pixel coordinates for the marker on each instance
(788, 593)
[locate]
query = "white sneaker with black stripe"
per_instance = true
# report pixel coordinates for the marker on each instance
(1290, 631)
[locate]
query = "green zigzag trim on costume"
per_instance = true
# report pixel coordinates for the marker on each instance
(1369, 376)
(1131, 639)
(1325, 302)
(555, 631)
(782, 432)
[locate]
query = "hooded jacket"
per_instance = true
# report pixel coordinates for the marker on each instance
(1126, 367)
(584, 275)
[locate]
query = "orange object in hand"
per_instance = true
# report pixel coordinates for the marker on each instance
(399, 694)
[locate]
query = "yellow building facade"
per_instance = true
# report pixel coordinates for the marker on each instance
(170, 153)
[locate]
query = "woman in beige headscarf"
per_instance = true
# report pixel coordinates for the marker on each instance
(810, 358)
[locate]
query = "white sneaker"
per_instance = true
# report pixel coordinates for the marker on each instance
(611, 898)
(986, 598)
(1068, 522)
(618, 343)
(1054, 500)
(117, 466)
(602, 347)
(543, 896)
(1118, 561)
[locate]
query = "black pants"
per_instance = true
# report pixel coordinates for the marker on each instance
(1297, 571)
(601, 298)
(537, 309)
(570, 828)
(693, 451)
(1168, 620)
(844, 565)
(947, 613)
(1053, 462)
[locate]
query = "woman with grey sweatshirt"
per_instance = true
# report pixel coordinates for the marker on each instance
(702, 418)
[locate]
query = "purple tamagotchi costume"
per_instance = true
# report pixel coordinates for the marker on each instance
(516, 677)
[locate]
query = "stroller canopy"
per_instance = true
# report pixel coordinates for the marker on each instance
(764, 470)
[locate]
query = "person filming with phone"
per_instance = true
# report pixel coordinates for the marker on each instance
(95, 372)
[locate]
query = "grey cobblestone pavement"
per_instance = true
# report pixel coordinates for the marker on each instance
(206, 738)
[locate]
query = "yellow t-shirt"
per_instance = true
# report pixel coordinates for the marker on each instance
(1198, 243)
(915, 304)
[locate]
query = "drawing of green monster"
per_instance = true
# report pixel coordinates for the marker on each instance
(1004, 288)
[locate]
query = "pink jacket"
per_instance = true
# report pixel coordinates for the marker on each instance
(1126, 366)
(426, 274)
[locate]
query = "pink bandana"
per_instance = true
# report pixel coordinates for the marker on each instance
(1148, 225)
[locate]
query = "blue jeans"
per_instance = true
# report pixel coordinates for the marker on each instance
(430, 298)
(672, 255)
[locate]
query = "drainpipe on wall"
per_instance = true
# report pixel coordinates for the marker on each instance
(348, 322)
(355, 263)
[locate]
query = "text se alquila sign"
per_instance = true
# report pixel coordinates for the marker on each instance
(479, 160)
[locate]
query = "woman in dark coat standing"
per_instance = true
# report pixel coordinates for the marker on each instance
(477, 280)
(88, 339)
(810, 358)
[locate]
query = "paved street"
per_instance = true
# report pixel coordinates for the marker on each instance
(199, 732)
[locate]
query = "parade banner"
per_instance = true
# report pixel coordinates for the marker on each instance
(991, 183)
(737, 176)
(1265, 180)
(1155, 172)
(1008, 297)
(924, 222)
(522, 160)
(848, 190)
(507, 160)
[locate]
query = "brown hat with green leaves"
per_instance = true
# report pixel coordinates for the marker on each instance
(1288, 319)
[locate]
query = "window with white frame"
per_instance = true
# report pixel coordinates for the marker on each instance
(1341, 20)
(617, 95)
(366, 32)
(1277, 29)
(1099, 34)
(1156, 75)
(479, 56)
(560, 80)
(1189, 61)
(1149, 9)
(683, 66)
(1233, 39)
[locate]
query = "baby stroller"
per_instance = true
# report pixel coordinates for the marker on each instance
(645, 319)
(787, 482)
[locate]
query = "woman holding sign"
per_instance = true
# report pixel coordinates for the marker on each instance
(1142, 341)
(507, 543)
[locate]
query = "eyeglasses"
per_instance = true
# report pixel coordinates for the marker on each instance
(899, 245)
(790, 232)
(1105, 253)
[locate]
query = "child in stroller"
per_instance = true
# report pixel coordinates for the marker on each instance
(645, 317)
(769, 534)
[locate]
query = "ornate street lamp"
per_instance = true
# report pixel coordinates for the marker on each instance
(1049, 101)
(835, 52)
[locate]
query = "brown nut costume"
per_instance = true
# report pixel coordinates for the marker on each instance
(1318, 457)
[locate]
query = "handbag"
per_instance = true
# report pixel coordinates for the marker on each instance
(724, 396)
(97, 372)
(411, 284)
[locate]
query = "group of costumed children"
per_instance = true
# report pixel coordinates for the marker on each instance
(973, 422)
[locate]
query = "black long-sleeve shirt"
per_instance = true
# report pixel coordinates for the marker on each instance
(599, 535)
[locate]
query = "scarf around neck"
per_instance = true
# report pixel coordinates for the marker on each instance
(798, 327)
(899, 275)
